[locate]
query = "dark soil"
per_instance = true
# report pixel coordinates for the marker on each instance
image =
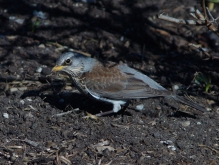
(34, 127)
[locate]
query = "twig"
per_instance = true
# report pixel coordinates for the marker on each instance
(203, 6)
(64, 113)
(199, 48)
(200, 19)
(176, 20)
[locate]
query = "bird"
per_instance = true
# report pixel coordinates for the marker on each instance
(111, 82)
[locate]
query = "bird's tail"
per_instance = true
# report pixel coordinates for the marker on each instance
(189, 103)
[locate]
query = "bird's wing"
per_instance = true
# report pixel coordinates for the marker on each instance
(138, 75)
(116, 83)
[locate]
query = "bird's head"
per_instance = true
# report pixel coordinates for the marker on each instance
(73, 64)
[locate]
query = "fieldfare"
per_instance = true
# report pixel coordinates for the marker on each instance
(111, 82)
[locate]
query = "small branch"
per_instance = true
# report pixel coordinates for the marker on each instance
(199, 48)
(203, 6)
(64, 113)
(178, 21)
(200, 19)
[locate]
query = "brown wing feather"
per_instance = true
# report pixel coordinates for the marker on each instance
(108, 81)
(105, 78)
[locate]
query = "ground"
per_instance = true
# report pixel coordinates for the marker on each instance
(45, 120)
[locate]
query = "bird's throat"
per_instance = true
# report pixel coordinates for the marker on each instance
(80, 84)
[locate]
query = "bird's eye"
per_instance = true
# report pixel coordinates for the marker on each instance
(68, 61)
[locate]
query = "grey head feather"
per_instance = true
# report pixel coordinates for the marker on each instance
(78, 60)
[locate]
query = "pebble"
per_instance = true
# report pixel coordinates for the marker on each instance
(140, 121)
(19, 21)
(185, 123)
(158, 107)
(172, 147)
(12, 38)
(208, 109)
(41, 46)
(122, 39)
(192, 157)
(13, 89)
(11, 18)
(199, 123)
(176, 87)
(140, 107)
(22, 102)
(47, 23)
(215, 145)
(191, 9)
(29, 115)
(39, 14)
(169, 144)
(166, 142)
(18, 89)
(39, 69)
(5, 115)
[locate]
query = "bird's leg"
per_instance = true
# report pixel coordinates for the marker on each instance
(116, 108)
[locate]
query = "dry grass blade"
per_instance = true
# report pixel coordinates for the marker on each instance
(58, 161)
(90, 116)
(65, 160)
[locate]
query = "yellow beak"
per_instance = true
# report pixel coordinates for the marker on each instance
(57, 68)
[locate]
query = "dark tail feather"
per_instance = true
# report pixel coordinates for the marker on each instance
(189, 103)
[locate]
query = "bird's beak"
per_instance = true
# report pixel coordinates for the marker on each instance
(57, 68)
